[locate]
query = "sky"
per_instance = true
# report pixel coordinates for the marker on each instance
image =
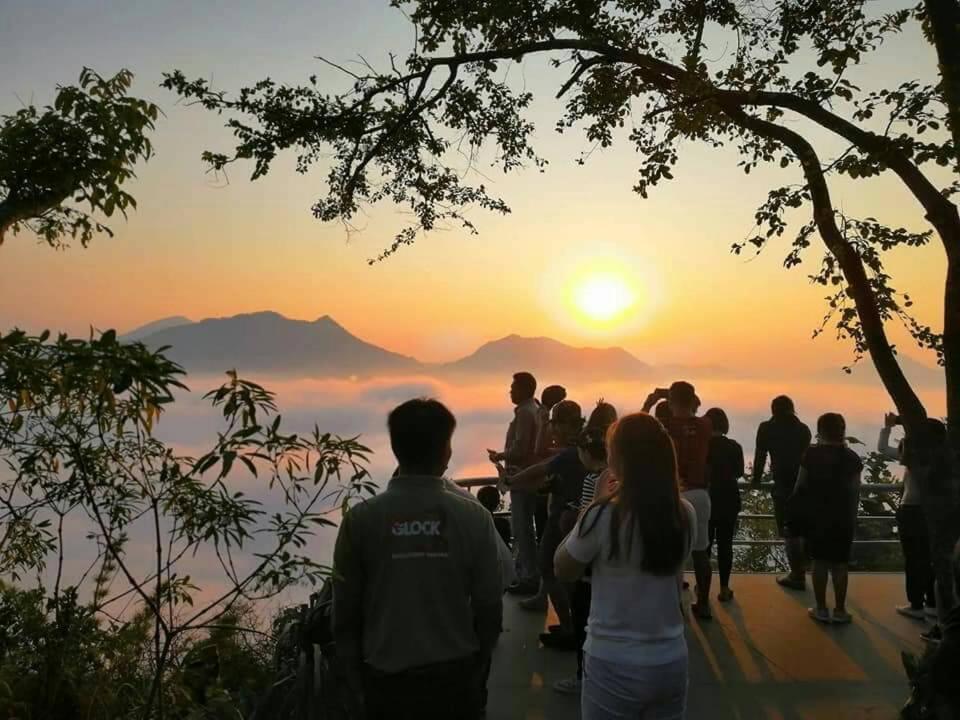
(202, 246)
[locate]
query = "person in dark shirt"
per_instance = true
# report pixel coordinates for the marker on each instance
(829, 486)
(418, 586)
(927, 456)
(489, 497)
(784, 439)
(725, 466)
(563, 476)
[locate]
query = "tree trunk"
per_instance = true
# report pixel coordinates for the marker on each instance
(881, 353)
(951, 360)
(944, 18)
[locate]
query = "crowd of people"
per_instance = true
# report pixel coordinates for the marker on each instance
(606, 511)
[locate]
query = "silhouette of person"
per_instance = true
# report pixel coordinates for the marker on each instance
(784, 439)
(914, 536)
(829, 483)
(725, 464)
(519, 452)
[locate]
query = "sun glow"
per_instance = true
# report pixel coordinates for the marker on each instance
(603, 297)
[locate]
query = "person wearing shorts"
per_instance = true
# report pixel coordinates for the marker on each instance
(829, 483)
(691, 437)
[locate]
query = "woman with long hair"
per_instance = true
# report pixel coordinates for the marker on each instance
(635, 543)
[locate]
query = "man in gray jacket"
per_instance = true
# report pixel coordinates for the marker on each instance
(417, 583)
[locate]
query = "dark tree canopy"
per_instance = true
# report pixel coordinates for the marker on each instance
(60, 163)
(656, 74)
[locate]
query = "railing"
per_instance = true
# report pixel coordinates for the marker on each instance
(865, 489)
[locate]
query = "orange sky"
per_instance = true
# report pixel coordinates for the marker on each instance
(199, 247)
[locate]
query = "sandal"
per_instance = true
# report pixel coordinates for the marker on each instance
(820, 615)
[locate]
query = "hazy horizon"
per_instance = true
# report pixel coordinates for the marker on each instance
(204, 247)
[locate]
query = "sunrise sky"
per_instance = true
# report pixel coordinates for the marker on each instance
(200, 246)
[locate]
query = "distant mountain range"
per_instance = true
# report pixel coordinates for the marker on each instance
(271, 343)
(267, 342)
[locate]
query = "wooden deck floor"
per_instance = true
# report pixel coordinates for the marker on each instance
(760, 657)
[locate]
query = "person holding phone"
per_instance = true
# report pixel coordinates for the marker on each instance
(520, 452)
(913, 532)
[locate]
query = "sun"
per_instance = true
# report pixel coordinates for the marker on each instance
(603, 297)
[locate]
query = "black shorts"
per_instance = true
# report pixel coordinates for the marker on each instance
(830, 545)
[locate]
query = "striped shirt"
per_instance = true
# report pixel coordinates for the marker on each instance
(589, 491)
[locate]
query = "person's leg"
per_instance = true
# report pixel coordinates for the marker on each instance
(780, 513)
(820, 571)
(797, 558)
(703, 571)
(840, 573)
(541, 502)
(522, 506)
(726, 527)
(911, 543)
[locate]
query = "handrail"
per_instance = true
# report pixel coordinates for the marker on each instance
(864, 487)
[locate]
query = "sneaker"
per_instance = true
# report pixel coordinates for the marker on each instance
(558, 641)
(568, 686)
(726, 595)
(840, 617)
(537, 603)
(792, 583)
(934, 635)
(821, 615)
(911, 612)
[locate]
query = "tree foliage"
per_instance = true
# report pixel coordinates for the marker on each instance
(62, 164)
(78, 450)
(655, 75)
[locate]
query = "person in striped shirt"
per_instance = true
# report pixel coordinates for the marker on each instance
(592, 449)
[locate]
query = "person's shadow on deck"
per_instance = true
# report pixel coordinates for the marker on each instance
(774, 661)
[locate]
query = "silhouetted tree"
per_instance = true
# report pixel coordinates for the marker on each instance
(654, 74)
(78, 152)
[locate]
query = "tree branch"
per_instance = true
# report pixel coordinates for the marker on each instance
(881, 352)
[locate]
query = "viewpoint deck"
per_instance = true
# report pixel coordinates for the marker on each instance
(760, 657)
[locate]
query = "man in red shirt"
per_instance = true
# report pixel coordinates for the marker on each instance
(691, 439)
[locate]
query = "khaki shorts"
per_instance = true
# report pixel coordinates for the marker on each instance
(700, 499)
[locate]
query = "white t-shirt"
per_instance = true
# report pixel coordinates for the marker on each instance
(635, 617)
